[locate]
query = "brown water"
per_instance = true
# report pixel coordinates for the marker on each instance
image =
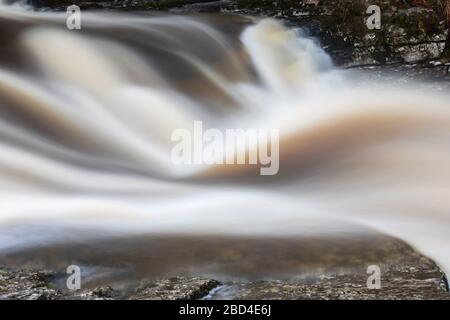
(85, 151)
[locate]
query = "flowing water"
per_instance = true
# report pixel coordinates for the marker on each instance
(85, 150)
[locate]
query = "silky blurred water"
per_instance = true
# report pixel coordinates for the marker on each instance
(86, 118)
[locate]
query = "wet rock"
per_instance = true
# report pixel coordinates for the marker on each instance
(407, 276)
(337, 287)
(26, 285)
(404, 274)
(105, 291)
(200, 7)
(178, 288)
(100, 293)
(36, 285)
(408, 34)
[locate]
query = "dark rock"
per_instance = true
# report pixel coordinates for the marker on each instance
(100, 293)
(189, 5)
(179, 288)
(408, 34)
(201, 7)
(36, 285)
(106, 291)
(407, 276)
(26, 285)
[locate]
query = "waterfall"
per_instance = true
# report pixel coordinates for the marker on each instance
(86, 119)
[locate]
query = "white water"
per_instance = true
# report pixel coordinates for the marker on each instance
(86, 118)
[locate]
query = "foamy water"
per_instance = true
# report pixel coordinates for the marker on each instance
(86, 119)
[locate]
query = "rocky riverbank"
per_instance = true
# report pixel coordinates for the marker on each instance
(37, 285)
(405, 274)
